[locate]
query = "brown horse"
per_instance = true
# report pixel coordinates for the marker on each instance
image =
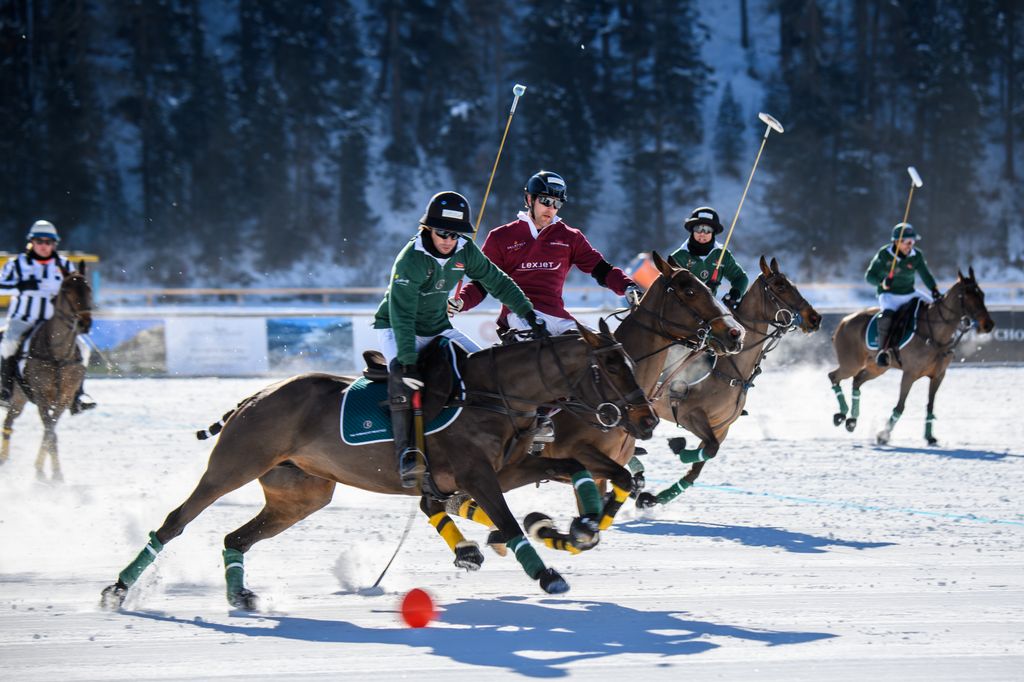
(677, 310)
(940, 326)
(53, 368)
(296, 421)
(771, 307)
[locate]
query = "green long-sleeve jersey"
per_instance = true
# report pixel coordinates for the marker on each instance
(903, 275)
(703, 266)
(416, 302)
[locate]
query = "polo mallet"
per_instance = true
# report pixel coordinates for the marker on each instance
(518, 90)
(915, 181)
(771, 124)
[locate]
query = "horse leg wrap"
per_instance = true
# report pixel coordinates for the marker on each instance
(562, 544)
(674, 491)
(587, 493)
(634, 465)
(896, 414)
(929, 422)
(234, 571)
(611, 508)
(131, 573)
(446, 528)
(855, 411)
(526, 555)
(691, 456)
(472, 511)
(838, 390)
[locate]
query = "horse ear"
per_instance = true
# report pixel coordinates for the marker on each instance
(959, 275)
(589, 336)
(663, 267)
(970, 271)
(764, 267)
(81, 267)
(775, 265)
(603, 326)
(673, 262)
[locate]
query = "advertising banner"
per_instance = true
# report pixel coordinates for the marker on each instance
(216, 346)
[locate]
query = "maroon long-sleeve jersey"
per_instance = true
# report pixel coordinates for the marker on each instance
(540, 265)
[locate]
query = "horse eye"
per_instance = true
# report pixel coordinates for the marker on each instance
(688, 292)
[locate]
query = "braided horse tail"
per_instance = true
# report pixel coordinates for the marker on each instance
(216, 427)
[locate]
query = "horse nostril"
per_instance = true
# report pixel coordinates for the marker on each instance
(734, 333)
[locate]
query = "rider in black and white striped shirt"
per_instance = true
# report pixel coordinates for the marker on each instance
(33, 279)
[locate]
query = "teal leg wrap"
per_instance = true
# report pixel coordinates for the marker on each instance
(928, 422)
(634, 465)
(855, 412)
(587, 493)
(234, 571)
(526, 555)
(130, 574)
(674, 491)
(691, 456)
(838, 390)
(894, 418)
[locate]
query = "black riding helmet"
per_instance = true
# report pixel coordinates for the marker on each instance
(448, 211)
(705, 215)
(546, 183)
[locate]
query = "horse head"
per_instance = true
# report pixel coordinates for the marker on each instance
(75, 297)
(612, 390)
(966, 293)
(787, 306)
(688, 312)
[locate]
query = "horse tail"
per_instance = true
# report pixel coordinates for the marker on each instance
(216, 427)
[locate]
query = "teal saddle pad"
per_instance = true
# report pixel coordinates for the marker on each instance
(871, 333)
(366, 418)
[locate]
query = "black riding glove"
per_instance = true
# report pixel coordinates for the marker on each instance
(732, 299)
(936, 294)
(30, 284)
(538, 329)
(887, 283)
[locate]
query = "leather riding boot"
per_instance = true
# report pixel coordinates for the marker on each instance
(82, 401)
(7, 369)
(884, 327)
(411, 462)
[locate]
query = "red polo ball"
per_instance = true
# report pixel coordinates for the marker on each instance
(417, 608)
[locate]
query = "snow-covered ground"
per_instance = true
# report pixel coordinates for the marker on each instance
(806, 553)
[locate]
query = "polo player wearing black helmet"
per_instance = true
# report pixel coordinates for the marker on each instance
(895, 286)
(699, 254)
(414, 309)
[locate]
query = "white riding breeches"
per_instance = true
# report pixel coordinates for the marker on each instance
(556, 325)
(887, 301)
(389, 347)
(15, 333)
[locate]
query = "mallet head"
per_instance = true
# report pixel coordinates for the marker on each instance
(518, 89)
(915, 177)
(770, 121)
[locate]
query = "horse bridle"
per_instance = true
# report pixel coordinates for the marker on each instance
(964, 324)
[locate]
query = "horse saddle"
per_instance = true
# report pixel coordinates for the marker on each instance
(904, 325)
(365, 415)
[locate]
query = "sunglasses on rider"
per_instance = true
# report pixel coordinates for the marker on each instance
(550, 201)
(43, 241)
(445, 234)
(703, 229)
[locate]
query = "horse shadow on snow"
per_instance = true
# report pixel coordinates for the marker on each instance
(752, 536)
(951, 453)
(557, 631)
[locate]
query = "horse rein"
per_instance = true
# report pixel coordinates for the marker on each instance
(60, 313)
(963, 325)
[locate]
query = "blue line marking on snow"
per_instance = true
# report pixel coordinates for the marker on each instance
(857, 505)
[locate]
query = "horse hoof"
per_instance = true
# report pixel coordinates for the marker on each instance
(851, 424)
(113, 596)
(496, 541)
(646, 501)
(468, 556)
(882, 438)
(585, 533)
(933, 441)
(535, 522)
(677, 444)
(244, 599)
(838, 418)
(552, 583)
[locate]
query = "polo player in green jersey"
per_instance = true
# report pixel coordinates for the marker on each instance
(701, 251)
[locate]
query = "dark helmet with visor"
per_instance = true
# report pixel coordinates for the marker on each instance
(546, 183)
(908, 232)
(448, 211)
(705, 215)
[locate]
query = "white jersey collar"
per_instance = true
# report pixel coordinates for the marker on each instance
(525, 215)
(418, 245)
(686, 247)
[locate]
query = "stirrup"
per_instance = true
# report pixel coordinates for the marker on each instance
(544, 434)
(412, 465)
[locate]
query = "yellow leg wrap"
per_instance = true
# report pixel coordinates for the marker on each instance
(612, 508)
(560, 544)
(470, 510)
(445, 527)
